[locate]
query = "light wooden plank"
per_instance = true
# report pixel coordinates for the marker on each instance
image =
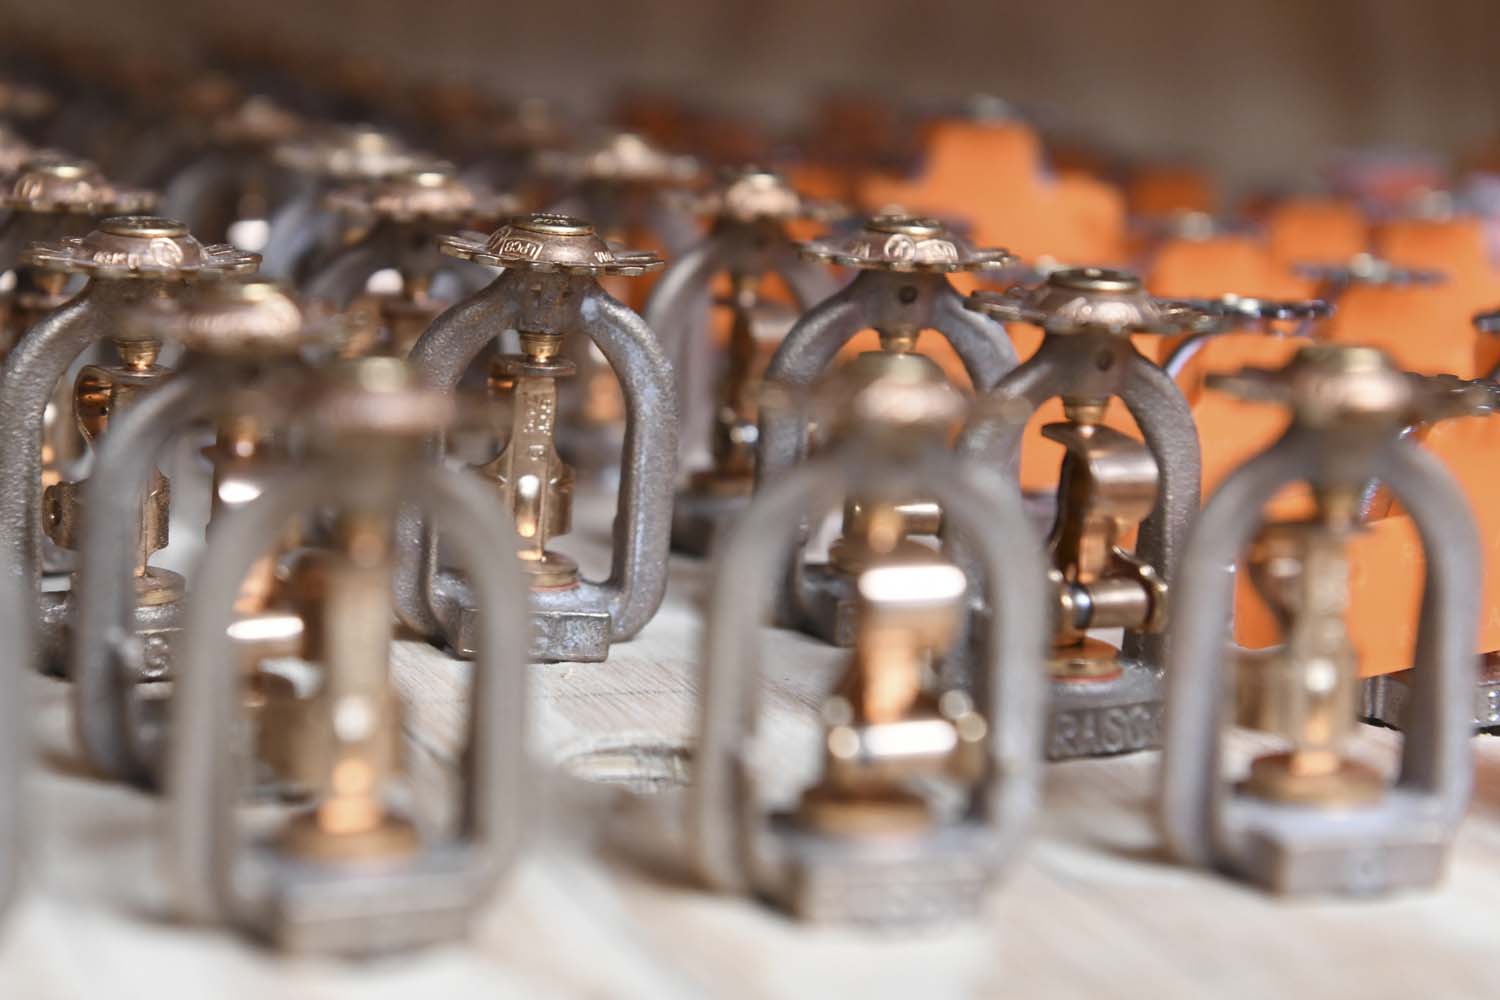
(1093, 909)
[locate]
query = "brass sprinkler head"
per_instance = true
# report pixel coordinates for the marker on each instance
(544, 241)
(349, 153)
(1336, 386)
(620, 158)
(889, 398)
(142, 247)
(750, 195)
(249, 321)
(906, 243)
(55, 183)
(432, 195)
(258, 123)
(1090, 300)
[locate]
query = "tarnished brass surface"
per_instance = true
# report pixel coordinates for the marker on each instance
(1307, 780)
(1108, 486)
(532, 478)
(101, 394)
(347, 747)
(1307, 690)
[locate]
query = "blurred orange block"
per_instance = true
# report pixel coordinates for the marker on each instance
(992, 175)
(1459, 248)
(1159, 192)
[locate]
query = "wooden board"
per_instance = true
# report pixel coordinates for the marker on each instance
(1093, 909)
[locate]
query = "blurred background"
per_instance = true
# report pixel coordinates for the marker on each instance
(1263, 92)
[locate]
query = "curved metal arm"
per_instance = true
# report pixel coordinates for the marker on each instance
(993, 436)
(683, 292)
(1166, 422)
(18, 627)
(873, 300)
(190, 193)
(204, 786)
(678, 311)
(981, 343)
(809, 281)
(1186, 351)
(1436, 758)
(294, 231)
(1439, 712)
(106, 600)
(40, 358)
(637, 579)
(1203, 608)
(994, 526)
(806, 352)
(730, 688)
(441, 356)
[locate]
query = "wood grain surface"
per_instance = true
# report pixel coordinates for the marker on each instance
(1092, 909)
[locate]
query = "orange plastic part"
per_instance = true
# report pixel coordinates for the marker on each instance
(1163, 191)
(1426, 328)
(1460, 248)
(1315, 231)
(1468, 447)
(1385, 581)
(1229, 431)
(992, 175)
(1041, 458)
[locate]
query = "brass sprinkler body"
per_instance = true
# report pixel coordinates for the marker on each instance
(547, 292)
(301, 233)
(231, 188)
(402, 217)
(102, 395)
(1105, 700)
(748, 212)
(1309, 818)
(900, 290)
(360, 869)
(128, 260)
(616, 180)
(241, 369)
(51, 197)
(870, 840)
